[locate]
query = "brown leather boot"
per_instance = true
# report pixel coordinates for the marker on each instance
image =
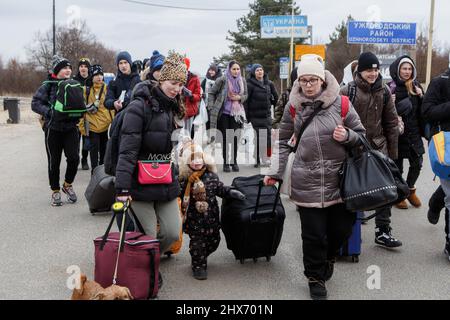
(413, 198)
(402, 205)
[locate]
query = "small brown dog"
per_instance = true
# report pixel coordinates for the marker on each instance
(91, 290)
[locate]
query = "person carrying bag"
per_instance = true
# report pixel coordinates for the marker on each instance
(370, 180)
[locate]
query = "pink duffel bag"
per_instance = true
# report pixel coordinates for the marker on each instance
(134, 265)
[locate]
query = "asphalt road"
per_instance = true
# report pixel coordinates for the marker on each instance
(38, 243)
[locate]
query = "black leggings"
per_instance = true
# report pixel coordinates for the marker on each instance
(227, 123)
(56, 142)
(324, 231)
(97, 149)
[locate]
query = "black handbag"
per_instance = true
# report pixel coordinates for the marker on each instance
(367, 181)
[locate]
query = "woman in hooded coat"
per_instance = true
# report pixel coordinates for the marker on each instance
(408, 96)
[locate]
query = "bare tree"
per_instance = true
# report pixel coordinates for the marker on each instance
(72, 42)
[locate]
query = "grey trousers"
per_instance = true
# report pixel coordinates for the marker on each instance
(168, 215)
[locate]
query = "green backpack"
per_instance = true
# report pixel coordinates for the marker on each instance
(69, 99)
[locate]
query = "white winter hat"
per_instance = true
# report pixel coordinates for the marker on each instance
(311, 65)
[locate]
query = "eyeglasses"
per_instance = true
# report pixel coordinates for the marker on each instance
(312, 82)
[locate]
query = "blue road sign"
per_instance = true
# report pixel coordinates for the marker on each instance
(281, 27)
(363, 32)
(284, 67)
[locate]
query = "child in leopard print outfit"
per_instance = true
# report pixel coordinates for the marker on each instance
(199, 187)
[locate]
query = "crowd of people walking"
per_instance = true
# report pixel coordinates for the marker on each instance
(166, 95)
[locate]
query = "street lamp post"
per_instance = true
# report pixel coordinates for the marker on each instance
(430, 44)
(54, 28)
(291, 49)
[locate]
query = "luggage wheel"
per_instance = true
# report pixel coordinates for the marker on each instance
(242, 261)
(355, 258)
(268, 258)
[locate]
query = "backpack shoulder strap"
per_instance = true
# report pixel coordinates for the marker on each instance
(345, 106)
(147, 113)
(386, 95)
(351, 93)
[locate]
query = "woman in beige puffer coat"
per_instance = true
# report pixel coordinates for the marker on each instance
(326, 224)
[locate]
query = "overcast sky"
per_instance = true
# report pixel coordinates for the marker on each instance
(200, 34)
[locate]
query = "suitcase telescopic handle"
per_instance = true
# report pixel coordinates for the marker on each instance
(261, 185)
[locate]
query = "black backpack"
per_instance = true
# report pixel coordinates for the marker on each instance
(70, 99)
(113, 145)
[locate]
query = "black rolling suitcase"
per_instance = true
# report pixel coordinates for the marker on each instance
(253, 227)
(100, 193)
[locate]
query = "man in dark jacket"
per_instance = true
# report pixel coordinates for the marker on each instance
(436, 111)
(261, 96)
(119, 90)
(84, 77)
(375, 106)
(61, 134)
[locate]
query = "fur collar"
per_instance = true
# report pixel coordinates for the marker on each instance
(186, 171)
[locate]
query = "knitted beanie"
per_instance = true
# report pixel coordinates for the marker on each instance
(311, 65)
(367, 60)
(124, 55)
(97, 69)
(156, 61)
(174, 68)
(84, 61)
(59, 63)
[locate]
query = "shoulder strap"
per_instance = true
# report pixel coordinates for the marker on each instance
(386, 95)
(147, 113)
(351, 93)
(344, 107)
(306, 124)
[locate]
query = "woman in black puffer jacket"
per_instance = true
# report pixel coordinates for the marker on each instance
(261, 96)
(146, 134)
(408, 97)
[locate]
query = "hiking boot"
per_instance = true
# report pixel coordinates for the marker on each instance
(402, 205)
(413, 198)
(330, 269)
(71, 195)
(200, 274)
(84, 164)
(226, 168)
(235, 168)
(56, 199)
(384, 238)
(317, 289)
(433, 216)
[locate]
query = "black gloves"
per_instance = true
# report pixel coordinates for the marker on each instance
(236, 194)
(92, 108)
